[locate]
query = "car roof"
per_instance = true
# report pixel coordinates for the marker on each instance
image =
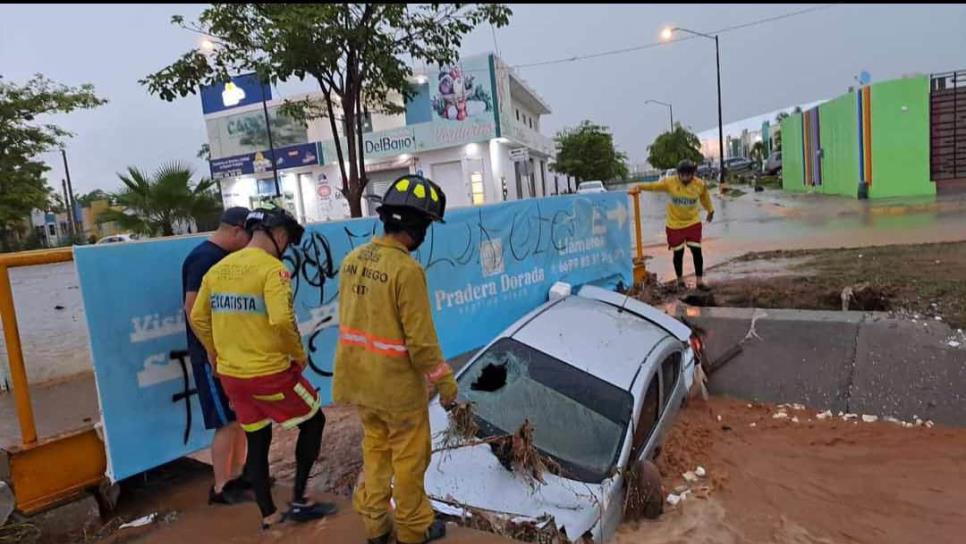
(593, 336)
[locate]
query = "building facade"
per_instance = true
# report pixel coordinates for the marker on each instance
(472, 127)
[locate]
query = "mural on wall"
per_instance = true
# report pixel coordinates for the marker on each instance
(486, 267)
(462, 91)
(864, 122)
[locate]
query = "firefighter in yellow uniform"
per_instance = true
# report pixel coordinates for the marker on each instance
(387, 353)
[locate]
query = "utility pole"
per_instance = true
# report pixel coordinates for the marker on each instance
(69, 202)
(70, 219)
(271, 145)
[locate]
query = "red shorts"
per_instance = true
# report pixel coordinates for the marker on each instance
(678, 238)
(286, 398)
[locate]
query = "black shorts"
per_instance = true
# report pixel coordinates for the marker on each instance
(214, 403)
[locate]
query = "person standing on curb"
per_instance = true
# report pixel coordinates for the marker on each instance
(244, 317)
(387, 354)
(683, 216)
(228, 448)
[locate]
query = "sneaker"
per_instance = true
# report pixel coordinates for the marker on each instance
(244, 484)
(307, 512)
(436, 531)
(228, 495)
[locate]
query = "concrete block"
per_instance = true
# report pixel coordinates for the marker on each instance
(905, 369)
(64, 523)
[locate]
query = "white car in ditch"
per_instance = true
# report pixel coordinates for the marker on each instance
(600, 377)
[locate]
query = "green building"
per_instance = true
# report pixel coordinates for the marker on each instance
(891, 139)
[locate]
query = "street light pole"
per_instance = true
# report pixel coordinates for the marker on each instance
(670, 109)
(666, 35)
(271, 144)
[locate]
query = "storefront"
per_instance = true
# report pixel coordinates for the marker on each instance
(472, 127)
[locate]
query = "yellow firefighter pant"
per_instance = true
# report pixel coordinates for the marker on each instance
(396, 449)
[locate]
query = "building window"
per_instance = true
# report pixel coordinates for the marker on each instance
(518, 115)
(531, 122)
(51, 229)
(476, 188)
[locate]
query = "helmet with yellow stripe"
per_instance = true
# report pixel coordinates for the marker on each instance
(414, 193)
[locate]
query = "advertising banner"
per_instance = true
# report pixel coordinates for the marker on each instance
(261, 162)
(486, 267)
(242, 90)
(244, 132)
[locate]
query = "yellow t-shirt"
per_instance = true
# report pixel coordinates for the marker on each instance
(682, 210)
(244, 313)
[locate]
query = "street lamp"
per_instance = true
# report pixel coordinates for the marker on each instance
(669, 109)
(666, 35)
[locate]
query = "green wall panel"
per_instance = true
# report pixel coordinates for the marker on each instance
(840, 147)
(793, 175)
(900, 138)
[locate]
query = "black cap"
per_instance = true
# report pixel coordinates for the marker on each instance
(235, 216)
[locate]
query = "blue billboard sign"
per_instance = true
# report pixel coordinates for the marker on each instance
(293, 156)
(242, 90)
(486, 267)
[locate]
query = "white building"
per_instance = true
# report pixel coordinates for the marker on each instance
(473, 128)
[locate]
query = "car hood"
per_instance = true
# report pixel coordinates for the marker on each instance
(474, 477)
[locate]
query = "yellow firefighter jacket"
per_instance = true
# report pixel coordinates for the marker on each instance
(387, 342)
(244, 313)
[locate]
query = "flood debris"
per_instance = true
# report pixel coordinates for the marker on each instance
(644, 497)
(542, 530)
(462, 426)
(519, 454)
(869, 419)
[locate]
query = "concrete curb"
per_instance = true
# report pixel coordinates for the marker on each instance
(854, 362)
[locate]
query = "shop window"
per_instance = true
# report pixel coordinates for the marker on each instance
(476, 187)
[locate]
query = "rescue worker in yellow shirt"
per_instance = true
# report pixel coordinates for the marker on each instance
(683, 226)
(243, 316)
(387, 355)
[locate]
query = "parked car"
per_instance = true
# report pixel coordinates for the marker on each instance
(737, 164)
(773, 166)
(591, 187)
(600, 376)
(707, 171)
(116, 238)
(669, 172)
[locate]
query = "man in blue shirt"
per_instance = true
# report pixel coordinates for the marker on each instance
(229, 447)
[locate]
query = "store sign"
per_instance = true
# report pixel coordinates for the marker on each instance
(244, 132)
(482, 275)
(519, 154)
(389, 142)
(242, 90)
(260, 162)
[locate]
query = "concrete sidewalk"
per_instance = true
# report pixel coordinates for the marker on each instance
(854, 362)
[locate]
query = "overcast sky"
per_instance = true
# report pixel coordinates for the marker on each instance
(763, 67)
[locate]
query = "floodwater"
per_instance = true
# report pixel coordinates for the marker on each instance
(50, 316)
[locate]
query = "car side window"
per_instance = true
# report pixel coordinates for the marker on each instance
(647, 419)
(670, 370)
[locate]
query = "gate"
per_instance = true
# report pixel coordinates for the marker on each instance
(947, 111)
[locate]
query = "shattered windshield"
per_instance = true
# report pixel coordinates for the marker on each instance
(579, 420)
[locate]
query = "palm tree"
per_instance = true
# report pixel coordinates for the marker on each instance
(152, 205)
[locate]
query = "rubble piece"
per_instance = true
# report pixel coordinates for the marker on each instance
(719, 417)
(869, 419)
(847, 417)
(953, 344)
(140, 522)
(891, 419)
(750, 406)
(690, 476)
(673, 499)
(700, 472)
(541, 529)
(825, 414)
(779, 415)
(929, 424)
(794, 420)
(918, 422)
(752, 424)
(798, 407)
(841, 414)
(906, 424)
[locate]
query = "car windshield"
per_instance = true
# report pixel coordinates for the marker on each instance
(578, 420)
(592, 185)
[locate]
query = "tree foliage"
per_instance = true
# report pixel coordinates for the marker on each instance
(153, 204)
(87, 198)
(587, 152)
(360, 55)
(23, 136)
(672, 147)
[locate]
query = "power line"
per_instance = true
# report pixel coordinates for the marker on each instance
(660, 43)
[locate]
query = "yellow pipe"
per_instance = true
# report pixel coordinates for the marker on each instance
(18, 374)
(637, 225)
(41, 256)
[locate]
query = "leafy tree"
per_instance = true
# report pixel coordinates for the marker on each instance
(86, 199)
(359, 54)
(22, 137)
(672, 147)
(152, 204)
(587, 152)
(757, 152)
(204, 152)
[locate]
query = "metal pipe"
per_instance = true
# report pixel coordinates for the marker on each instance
(637, 226)
(18, 373)
(721, 170)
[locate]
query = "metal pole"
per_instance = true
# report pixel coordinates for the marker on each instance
(18, 374)
(721, 171)
(70, 194)
(271, 145)
(670, 110)
(70, 221)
